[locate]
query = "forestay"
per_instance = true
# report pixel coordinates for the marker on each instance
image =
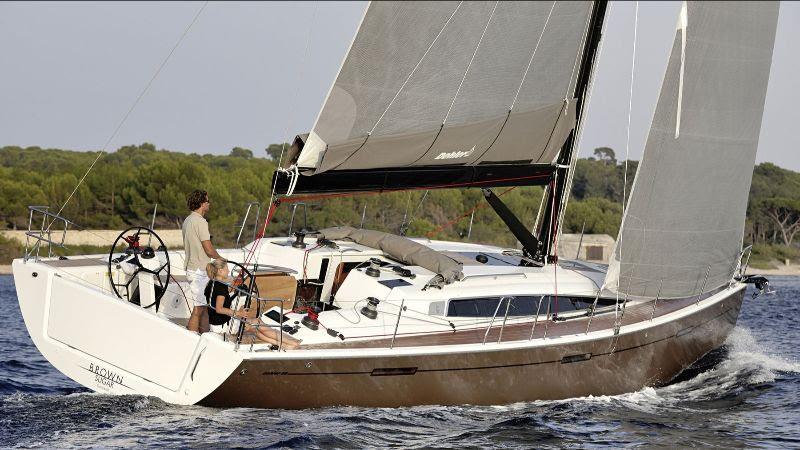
(683, 227)
(452, 83)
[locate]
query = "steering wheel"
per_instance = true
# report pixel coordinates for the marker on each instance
(135, 257)
(246, 285)
(247, 282)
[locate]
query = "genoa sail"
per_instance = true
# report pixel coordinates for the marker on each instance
(451, 84)
(683, 227)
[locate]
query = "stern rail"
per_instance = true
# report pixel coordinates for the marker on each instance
(45, 232)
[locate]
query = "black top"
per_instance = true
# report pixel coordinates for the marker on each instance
(215, 318)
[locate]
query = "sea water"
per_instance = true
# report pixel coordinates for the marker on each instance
(746, 394)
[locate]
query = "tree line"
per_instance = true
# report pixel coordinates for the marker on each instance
(124, 186)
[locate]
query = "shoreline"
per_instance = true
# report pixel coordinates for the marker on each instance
(790, 271)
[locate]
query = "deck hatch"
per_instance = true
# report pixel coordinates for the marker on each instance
(391, 284)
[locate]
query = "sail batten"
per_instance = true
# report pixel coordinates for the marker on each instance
(683, 226)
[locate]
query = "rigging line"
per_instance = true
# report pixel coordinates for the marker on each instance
(475, 52)
(397, 94)
(628, 138)
(539, 211)
(578, 55)
(478, 206)
(416, 67)
(555, 266)
(260, 234)
(256, 245)
(299, 79)
(521, 83)
(552, 217)
(134, 105)
(405, 215)
(419, 206)
(463, 78)
(525, 75)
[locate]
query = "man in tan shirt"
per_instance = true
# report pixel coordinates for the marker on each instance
(199, 252)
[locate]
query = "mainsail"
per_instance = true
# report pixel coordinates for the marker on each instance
(451, 84)
(684, 223)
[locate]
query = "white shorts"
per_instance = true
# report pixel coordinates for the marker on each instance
(198, 280)
(232, 326)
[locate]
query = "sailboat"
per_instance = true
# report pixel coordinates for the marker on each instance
(470, 95)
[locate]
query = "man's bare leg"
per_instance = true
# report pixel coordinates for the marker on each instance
(204, 325)
(195, 319)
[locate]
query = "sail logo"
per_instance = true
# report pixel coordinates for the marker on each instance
(455, 155)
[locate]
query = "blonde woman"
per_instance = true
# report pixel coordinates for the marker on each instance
(220, 313)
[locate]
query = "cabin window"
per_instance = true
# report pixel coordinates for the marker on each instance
(485, 307)
(522, 305)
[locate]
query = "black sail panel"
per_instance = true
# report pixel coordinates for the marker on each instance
(430, 177)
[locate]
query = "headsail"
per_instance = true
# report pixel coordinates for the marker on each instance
(452, 84)
(684, 223)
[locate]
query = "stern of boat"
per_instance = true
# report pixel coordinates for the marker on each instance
(110, 345)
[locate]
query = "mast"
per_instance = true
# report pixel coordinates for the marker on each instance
(558, 184)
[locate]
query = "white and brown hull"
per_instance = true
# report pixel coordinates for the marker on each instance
(142, 353)
(645, 353)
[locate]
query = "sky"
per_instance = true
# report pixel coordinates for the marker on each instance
(250, 74)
